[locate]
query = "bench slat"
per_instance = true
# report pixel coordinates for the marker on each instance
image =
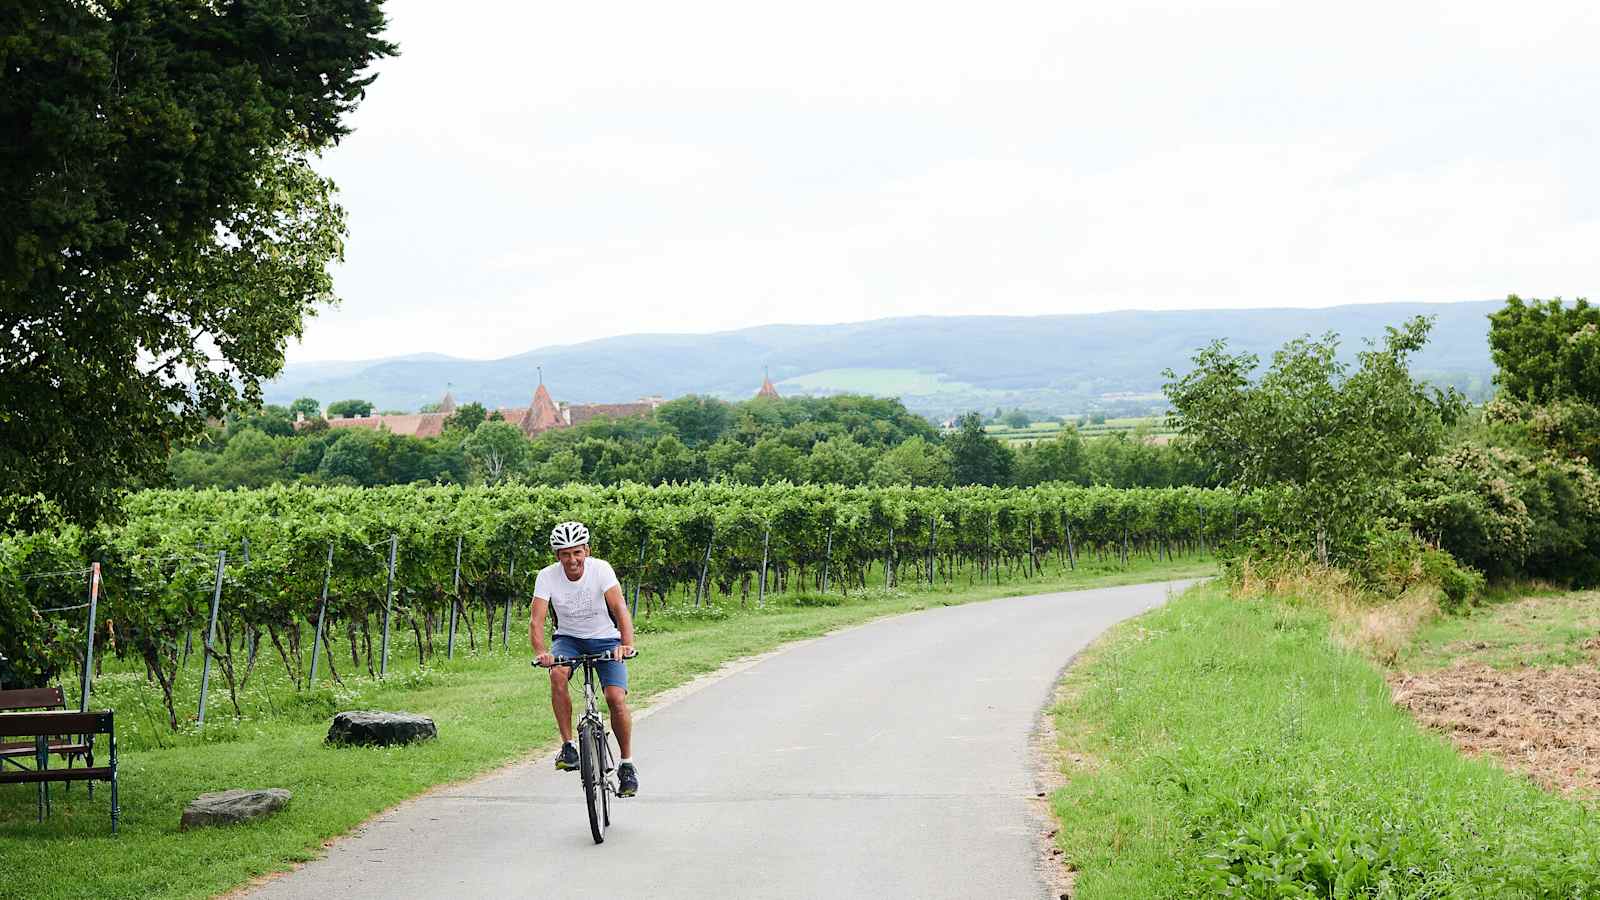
(28, 748)
(32, 698)
(31, 776)
(32, 724)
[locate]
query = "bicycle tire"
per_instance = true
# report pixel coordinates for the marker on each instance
(589, 768)
(606, 777)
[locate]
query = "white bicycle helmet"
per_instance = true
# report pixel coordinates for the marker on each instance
(568, 534)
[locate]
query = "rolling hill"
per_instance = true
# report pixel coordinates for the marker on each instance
(938, 365)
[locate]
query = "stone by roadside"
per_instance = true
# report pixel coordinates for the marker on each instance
(232, 807)
(381, 729)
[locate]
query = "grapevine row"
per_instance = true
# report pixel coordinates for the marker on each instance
(461, 557)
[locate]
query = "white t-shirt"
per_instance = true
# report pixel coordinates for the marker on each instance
(580, 605)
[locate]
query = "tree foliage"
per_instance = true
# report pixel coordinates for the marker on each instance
(1546, 350)
(349, 409)
(467, 417)
(975, 457)
(1336, 438)
(162, 234)
(496, 449)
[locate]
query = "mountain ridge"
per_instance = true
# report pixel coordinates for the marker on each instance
(1062, 363)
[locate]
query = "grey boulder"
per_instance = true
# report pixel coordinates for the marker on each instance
(382, 729)
(232, 807)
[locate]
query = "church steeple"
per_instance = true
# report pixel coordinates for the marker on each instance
(542, 412)
(767, 388)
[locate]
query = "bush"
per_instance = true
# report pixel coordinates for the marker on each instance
(1397, 560)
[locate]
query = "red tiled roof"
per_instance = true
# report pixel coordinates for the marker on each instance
(542, 414)
(412, 424)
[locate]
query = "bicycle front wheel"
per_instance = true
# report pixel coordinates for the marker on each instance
(589, 767)
(608, 777)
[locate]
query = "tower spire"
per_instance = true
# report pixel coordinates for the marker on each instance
(767, 388)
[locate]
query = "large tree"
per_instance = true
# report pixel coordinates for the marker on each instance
(975, 456)
(1333, 437)
(497, 450)
(162, 232)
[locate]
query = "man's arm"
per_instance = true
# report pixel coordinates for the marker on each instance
(619, 614)
(536, 614)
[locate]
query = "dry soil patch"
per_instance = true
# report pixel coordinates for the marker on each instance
(1544, 722)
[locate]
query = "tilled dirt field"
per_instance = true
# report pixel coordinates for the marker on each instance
(1545, 722)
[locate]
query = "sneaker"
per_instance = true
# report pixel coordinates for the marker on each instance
(567, 759)
(627, 780)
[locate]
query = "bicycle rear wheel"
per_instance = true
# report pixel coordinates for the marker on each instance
(589, 766)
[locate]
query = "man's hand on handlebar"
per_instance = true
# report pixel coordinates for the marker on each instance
(621, 652)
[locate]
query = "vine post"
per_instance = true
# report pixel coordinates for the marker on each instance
(88, 650)
(505, 619)
(322, 615)
(252, 638)
(211, 635)
(761, 594)
(705, 566)
(827, 558)
(455, 602)
(638, 578)
(388, 605)
(888, 562)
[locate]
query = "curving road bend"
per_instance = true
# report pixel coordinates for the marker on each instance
(888, 760)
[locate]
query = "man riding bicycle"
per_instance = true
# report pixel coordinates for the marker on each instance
(591, 617)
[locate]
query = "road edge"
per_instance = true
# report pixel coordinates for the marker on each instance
(1047, 761)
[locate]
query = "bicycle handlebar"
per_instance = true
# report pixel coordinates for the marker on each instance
(580, 660)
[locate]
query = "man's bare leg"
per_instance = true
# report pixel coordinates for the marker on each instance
(621, 720)
(561, 702)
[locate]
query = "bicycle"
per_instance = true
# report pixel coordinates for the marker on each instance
(596, 765)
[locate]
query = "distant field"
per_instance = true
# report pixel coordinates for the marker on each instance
(1041, 431)
(879, 382)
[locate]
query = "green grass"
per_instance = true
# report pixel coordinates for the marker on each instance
(1037, 431)
(490, 708)
(1538, 629)
(1229, 749)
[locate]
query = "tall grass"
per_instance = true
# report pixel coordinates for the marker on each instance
(1234, 749)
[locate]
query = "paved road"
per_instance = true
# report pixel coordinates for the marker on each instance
(890, 760)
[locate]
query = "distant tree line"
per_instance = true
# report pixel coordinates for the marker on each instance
(849, 440)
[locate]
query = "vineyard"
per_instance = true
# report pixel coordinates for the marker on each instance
(322, 577)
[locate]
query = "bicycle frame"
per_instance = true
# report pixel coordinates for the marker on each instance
(591, 714)
(599, 771)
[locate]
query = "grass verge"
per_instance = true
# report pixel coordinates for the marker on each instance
(1230, 748)
(490, 709)
(1535, 629)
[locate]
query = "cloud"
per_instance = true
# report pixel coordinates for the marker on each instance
(524, 175)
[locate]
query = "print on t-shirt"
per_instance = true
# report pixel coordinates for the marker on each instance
(580, 605)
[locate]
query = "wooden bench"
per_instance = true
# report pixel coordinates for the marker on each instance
(40, 698)
(46, 728)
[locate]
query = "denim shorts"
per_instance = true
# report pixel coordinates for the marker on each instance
(612, 673)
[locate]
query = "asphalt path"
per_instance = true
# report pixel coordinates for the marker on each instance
(891, 759)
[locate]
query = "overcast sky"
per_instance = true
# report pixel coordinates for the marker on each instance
(526, 174)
